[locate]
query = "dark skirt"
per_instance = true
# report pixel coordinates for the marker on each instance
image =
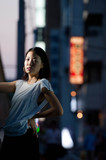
(20, 147)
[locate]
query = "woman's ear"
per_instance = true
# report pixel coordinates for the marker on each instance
(42, 65)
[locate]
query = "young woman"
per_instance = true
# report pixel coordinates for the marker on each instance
(31, 94)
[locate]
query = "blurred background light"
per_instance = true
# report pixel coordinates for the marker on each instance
(85, 14)
(86, 1)
(37, 125)
(67, 141)
(73, 93)
(80, 114)
(40, 18)
(76, 67)
(73, 104)
(40, 13)
(40, 3)
(41, 44)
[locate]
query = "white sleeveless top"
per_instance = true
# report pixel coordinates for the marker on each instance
(24, 106)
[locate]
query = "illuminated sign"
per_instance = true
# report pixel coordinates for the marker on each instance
(76, 69)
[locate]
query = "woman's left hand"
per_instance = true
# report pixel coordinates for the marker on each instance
(32, 124)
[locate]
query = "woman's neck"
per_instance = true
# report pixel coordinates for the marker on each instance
(32, 79)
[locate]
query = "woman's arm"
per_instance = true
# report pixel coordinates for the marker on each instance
(55, 106)
(7, 87)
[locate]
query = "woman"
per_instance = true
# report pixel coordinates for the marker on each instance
(30, 95)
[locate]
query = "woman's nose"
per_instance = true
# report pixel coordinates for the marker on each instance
(30, 62)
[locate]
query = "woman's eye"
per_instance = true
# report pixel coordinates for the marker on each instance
(34, 60)
(27, 59)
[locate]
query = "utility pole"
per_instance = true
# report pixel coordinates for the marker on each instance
(20, 39)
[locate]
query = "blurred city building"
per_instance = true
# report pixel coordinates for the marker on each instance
(94, 15)
(87, 19)
(4, 99)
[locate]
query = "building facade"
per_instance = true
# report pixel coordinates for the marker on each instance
(86, 18)
(95, 53)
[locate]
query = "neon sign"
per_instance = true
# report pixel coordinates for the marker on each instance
(76, 69)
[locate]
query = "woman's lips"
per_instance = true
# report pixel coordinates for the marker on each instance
(28, 68)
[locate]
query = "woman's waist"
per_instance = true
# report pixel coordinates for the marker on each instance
(16, 129)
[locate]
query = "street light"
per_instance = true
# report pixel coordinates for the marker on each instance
(80, 114)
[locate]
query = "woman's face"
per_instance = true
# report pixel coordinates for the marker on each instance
(32, 64)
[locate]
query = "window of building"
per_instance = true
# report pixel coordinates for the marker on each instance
(92, 117)
(93, 71)
(93, 24)
(94, 20)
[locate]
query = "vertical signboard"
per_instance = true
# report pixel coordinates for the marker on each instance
(76, 68)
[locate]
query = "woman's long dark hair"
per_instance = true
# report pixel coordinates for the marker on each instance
(45, 71)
